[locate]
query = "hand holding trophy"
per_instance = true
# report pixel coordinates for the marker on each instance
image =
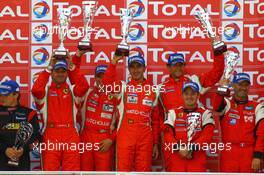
(64, 17)
(89, 9)
(24, 133)
(206, 23)
(126, 19)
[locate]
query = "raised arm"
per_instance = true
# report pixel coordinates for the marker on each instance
(211, 77)
(38, 89)
(80, 83)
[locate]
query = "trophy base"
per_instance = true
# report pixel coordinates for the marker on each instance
(122, 50)
(85, 46)
(60, 55)
(223, 90)
(219, 48)
(12, 163)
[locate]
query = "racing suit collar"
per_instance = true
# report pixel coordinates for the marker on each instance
(171, 79)
(54, 85)
(135, 82)
(11, 108)
(188, 110)
(240, 101)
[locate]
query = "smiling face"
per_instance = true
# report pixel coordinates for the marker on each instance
(59, 75)
(190, 97)
(136, 71)
(10, 100)
(241, 90)
(176, 70)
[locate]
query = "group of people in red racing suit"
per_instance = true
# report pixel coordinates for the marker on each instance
(128, 125)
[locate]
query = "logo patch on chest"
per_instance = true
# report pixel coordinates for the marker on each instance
(20, 117)
(234, 116)
(108, 108)
(248, 118)
(105, 115)
(90, 109)
(132, 98)
(232, 121)
(147, 102)
(249, 108)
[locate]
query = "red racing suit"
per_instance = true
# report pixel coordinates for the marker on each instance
(173, 91)
(194, 127)
(97, 115)
(57, 103)
(242, 126)
(137, 129)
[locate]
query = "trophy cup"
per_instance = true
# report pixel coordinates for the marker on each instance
(64, 16)
(231, 60)
(126, 19)
(206, 23)
(24, 133)
(89, 9)
(193, 122)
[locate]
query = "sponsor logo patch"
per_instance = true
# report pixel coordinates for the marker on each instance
(132, 98)
(105, 115)
(147, 102)
(248, 119)
(234, 116)
(232, 121)
(108, 108)
(249, 108)
(20, 118)
(90, 109)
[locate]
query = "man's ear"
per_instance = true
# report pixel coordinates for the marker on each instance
(145, 68)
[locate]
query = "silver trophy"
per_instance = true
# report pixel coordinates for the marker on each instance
(89, 9)
(231, 60)
(206, 23)
(126, 19)
(193, 123)
(24, 133)
(64, 16)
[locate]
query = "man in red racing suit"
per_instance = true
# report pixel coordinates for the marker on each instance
(98, 120)
(137, 131)
(58, 104)
(242, 126)
(189, 129)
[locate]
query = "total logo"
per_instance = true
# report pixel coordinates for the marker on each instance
(138, 32)
(232, 9)
(233, 31)
(40, 56)
(237, 48)
(41, 9)
(41, 33)
(139, 7)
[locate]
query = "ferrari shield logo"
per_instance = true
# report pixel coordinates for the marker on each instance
(110, 97)
(65, 91)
